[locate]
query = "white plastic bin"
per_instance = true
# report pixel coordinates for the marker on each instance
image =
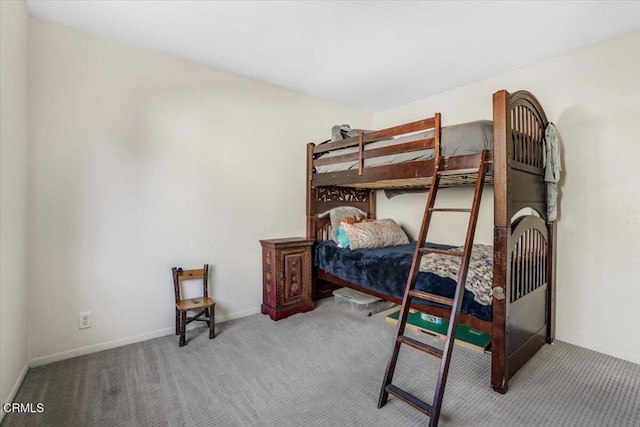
(359, 303)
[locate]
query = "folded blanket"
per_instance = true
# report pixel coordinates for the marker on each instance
(480, 274)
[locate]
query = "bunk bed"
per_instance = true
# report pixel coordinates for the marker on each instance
(521, 316)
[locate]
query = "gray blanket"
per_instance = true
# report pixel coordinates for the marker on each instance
(552, 169)
(479, 276)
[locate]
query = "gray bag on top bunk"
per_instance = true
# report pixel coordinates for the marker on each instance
(340, 132)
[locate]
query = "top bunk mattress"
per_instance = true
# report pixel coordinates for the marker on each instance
(457, 140)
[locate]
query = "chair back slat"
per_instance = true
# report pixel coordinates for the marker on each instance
(191, 274)
(182, 275)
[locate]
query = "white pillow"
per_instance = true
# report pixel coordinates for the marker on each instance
(336, 214)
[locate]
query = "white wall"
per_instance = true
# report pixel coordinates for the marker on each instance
(140, 162)
(593, 96)
(14, 65)
(136, 166)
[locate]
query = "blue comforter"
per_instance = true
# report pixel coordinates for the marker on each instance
(385, 270)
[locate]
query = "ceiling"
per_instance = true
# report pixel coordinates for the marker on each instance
(372, 55)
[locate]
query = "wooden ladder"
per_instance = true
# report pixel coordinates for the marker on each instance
(445, 355)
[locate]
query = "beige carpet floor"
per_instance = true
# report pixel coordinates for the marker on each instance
(322, 368)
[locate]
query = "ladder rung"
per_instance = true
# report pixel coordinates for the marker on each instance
(420, 405)
(449, 210)
(431, 297)
(434, 351)
(439, 251)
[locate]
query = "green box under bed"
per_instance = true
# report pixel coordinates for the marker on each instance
(465, 336)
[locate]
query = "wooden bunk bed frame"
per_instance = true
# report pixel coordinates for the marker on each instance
(523, 308)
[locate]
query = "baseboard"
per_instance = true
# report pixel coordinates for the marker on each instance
(622, 355)
(94, 348)
(237, 315)
(16, 387)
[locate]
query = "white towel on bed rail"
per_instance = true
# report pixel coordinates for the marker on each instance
(479, 276)
(552, 169)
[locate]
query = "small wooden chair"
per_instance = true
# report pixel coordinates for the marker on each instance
(203, 305)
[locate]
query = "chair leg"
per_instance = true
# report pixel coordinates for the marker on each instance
(212, 322)
(183, 326)
(177, 322)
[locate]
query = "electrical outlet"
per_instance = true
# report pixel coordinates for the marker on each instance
(84, 320)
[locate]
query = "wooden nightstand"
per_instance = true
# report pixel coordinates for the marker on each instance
(286, 276)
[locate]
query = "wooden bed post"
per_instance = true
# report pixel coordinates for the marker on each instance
(551, 284)
(436, 136)
(372, 204)
(501, 234)
(311, 194)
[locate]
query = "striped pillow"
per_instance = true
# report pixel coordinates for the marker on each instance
(375, 234)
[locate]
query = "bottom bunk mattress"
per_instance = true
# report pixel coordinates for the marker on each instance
(385, 270)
